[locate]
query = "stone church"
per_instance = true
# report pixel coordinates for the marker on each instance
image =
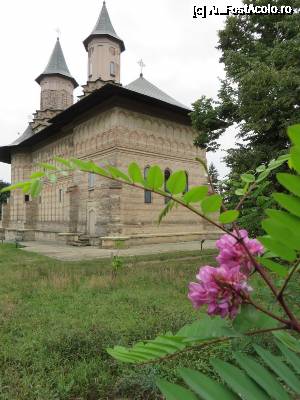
(110, 123)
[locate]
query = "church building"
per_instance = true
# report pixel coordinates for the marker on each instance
(109, 124)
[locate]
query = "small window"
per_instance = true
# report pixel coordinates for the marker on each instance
(147, 193)
(91, 181)
(112, 69)
(167, 176)
(112, 51)
(27, 198)
(60, 195)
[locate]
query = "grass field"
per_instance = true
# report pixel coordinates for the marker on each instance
(57, 319)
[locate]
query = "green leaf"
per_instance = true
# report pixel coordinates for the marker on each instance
(288, 340)
(86, 166)
(155, 178)
(261, 168)
(13, 187)
(278, 248)
(280, 233)
(98, 170)
(177, 182)
(208, 328)
(292, 358)
(294, 134)
(36, 188)
(248, 178)
(200, 331)
(116, 173)
(211, 203)
(27, 187)
(290, 203)
(273, 266)
(262, 377)
(168, 208)
(36, 175)
(275, 164)
(66, 163)
(238, 381)
(263, 176)
(228, 217)
(281, 369)
(174, 392)
(205, 387)
(50, 167)
(195, 195)
(290, 182)
(287, 220)
(295, 158)
(135, 173)
(251, 319)
(240, 192)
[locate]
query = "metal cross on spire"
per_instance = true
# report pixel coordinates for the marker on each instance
(142, 65)
(57, 30)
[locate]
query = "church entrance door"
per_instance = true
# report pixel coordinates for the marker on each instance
(92, 223)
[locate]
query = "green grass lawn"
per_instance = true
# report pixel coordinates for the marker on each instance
(57, 319)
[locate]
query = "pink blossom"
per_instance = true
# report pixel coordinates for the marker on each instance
(221, 289)
(232, 253)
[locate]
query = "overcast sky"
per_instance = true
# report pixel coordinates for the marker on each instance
(179, 52)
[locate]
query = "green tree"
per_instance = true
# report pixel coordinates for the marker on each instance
(3, 196)
(214, 175)
(261, 90)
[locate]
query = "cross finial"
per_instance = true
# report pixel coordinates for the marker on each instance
(57, 30)
(142, 65)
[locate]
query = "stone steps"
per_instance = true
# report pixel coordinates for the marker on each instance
(83, 241)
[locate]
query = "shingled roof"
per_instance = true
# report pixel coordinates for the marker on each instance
(25, 135)
(104, 27)
(141, 85)
(57, 65)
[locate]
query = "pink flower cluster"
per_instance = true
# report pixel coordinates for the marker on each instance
(222, 289)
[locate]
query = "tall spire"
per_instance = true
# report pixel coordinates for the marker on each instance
(57, 65)
(104, 27)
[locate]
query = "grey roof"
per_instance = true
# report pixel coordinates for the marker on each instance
(57, 65)
(141, 85)
(104, 27)
(26, 134)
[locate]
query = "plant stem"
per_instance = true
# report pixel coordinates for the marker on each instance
(240, 203)
(212, 342)
(293, 321)
(286, 282)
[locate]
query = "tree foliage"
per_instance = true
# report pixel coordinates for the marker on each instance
(261, 90)
(3, 195)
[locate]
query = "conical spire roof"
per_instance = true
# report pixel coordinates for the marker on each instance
(104, 27)
(57, 65)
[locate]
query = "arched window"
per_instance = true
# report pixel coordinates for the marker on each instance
(112, 69)
(147, 193)
(167, 176)
(187, 183)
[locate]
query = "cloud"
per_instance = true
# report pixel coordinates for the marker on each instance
(179, 51)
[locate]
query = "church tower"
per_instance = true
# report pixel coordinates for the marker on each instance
(57, 84)
(104, 49)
